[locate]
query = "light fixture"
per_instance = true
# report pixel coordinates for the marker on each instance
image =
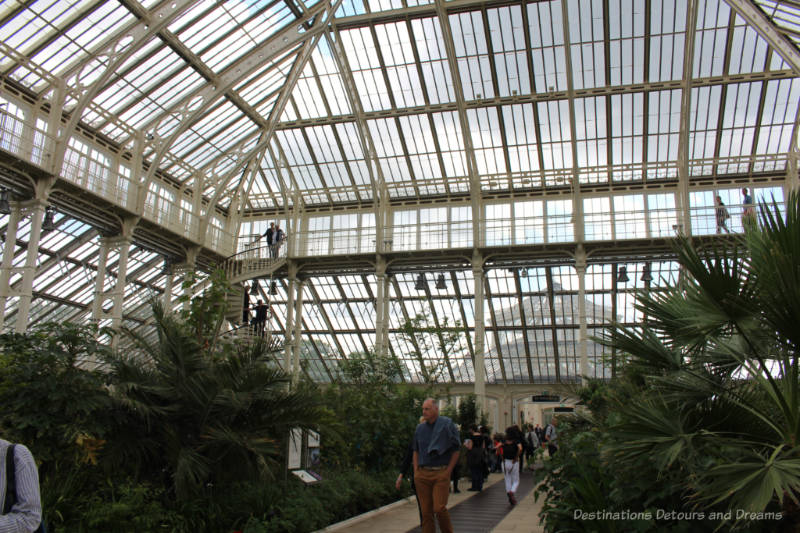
(254, 287)
(5, 209)
(623, 275)
(273, 288)
(523, 273)
(49, 223)
(165, 270)
(646, 275)
(420, 284)
(440, 284)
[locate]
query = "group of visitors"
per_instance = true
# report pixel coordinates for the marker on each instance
(261, 311)
(722, 215)
(275, 237)
(433, 456)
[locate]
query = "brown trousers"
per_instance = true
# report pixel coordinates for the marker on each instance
(433, 487)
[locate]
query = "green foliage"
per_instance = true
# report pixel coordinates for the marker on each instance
(198, 409)
(291, 507)
(706, 416)
(185, 433)
(374, 416)
(52, 396)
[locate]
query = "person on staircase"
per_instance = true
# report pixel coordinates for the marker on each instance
(261, 317)
(277, 240)
(270, 235)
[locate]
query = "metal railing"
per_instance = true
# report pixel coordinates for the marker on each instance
(256, 259)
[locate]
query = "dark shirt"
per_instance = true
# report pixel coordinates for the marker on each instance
(268, 235)
(261, 313)
(510, 451)
(477, 441)
(435, 443)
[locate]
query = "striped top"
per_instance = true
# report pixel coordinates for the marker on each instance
(27, 512)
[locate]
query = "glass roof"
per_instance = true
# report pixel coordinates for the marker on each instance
(239, 112)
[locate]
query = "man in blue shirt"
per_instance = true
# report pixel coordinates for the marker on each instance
(436, 445)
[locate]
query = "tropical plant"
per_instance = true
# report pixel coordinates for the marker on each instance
(718, 363)
(200, 409)
(374, 413)
(54, 400)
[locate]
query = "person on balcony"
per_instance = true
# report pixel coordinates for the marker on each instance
(722, 215)
(277, 240)
(748, 209)
(270, 234)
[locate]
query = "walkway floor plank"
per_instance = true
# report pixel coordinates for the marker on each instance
(482, 512)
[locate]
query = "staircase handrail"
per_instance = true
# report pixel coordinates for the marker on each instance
(253, 258)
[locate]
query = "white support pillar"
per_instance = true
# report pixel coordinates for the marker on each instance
(288, 333)
(29, 271)
(380, 297)
(480, 332)
(188, 267)
(118, 292)
(682, 197)
(385, 328)
(8, 259)
(298, 331)
(169, 282)
(583, 353)
(99, 281)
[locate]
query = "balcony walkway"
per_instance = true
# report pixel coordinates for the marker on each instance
(471, 512)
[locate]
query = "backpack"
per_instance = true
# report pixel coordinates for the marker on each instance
(11, 487)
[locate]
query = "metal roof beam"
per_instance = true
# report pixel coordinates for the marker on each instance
(756, 18)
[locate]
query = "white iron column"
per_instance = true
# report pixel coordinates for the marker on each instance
(385, 304)
(380, 296)
(8, 259)
(169, 282)
(480, 332)
(99, 281)
(119, 287)
(298, 331)
(580, 268)
(188, 268)
(682, 197)
(287, 336)
(26, 293)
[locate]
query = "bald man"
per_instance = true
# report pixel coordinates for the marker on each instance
(436, 446)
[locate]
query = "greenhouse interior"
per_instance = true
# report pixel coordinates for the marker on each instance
(243, 241)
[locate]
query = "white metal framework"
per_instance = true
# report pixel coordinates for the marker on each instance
(492, 165)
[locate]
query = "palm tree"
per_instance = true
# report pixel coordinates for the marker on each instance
(197, 409)
(717, 366)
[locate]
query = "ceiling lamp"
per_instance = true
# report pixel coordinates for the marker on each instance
(646, 275)
(420, 284)
(5, 209)
(623, 275)
(254, 287)
(49, 223)
(273, 288)
(440, 284)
